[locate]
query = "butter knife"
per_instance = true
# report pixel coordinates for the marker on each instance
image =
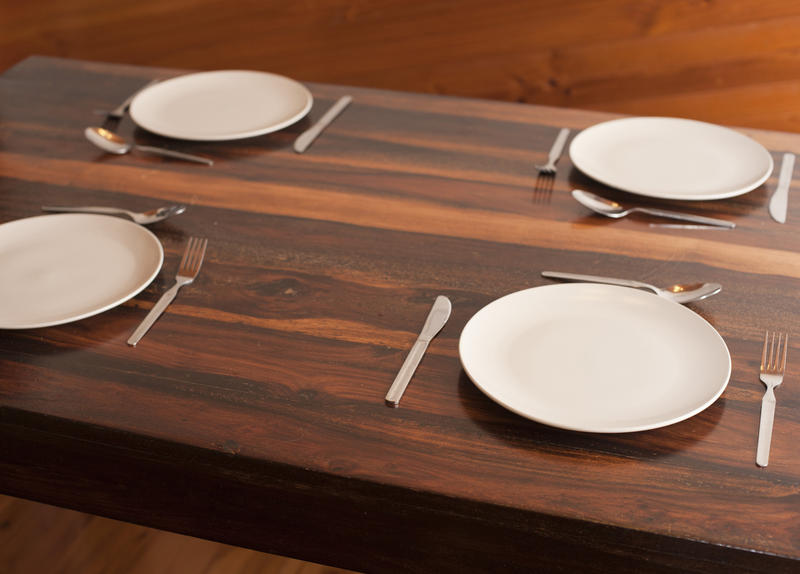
(779, 201)
(437, 317)
(307, 137)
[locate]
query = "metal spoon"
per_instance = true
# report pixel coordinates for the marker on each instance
(113, 143)
(142, 218)
(679, 293)
(613, 209)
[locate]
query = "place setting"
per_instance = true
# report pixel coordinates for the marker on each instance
(599, 355)
(79, 261)
(214, 106)
(670, 159)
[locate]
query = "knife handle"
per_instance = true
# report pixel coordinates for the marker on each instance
(307, 137)
(406, 371)
(779, 201)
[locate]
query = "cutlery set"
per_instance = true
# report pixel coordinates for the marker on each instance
(104, 137)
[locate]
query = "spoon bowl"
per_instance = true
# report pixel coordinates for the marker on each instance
(111, 142)
(682, 293)
(107, 140)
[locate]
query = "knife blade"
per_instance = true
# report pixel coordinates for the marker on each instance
(307, 137)
(437, 317)
(779, 201)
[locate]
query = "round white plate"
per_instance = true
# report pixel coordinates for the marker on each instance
(65, 267)
(595, 358)
(671, 158)
(220, 105)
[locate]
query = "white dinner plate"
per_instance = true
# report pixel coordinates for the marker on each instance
(671, 158)
(221, 105)
(65, 267)
(595, 358)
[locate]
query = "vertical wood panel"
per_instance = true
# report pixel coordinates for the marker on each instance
(699, 58)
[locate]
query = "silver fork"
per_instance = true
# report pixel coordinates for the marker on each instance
(773, 366)
(555, 152)
(114, 117)
(188, 270)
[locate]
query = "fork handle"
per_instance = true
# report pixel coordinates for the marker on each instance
(765, 427)
(558, 145)
(154, 314)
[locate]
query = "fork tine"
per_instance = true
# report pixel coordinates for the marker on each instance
(193, 256)
(186, 253)
(776, 349)
(771, 362)
(785, 350)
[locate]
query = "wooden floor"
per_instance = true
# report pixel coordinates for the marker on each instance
(40, 539)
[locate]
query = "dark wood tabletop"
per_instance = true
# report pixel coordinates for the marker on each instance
(253, 411)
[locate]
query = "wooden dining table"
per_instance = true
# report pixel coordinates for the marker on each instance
(253, 411)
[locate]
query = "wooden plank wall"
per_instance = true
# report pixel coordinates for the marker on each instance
(734, 62)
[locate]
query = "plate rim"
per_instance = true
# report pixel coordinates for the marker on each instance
(148, 91)
(608, 429)
(672, 196)
(124, 223)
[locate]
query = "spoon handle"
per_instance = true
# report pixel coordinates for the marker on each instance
(597, 279)
(174, 154)
(685, 217)
(86, 209)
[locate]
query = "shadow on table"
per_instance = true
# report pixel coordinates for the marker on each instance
(519, 432)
